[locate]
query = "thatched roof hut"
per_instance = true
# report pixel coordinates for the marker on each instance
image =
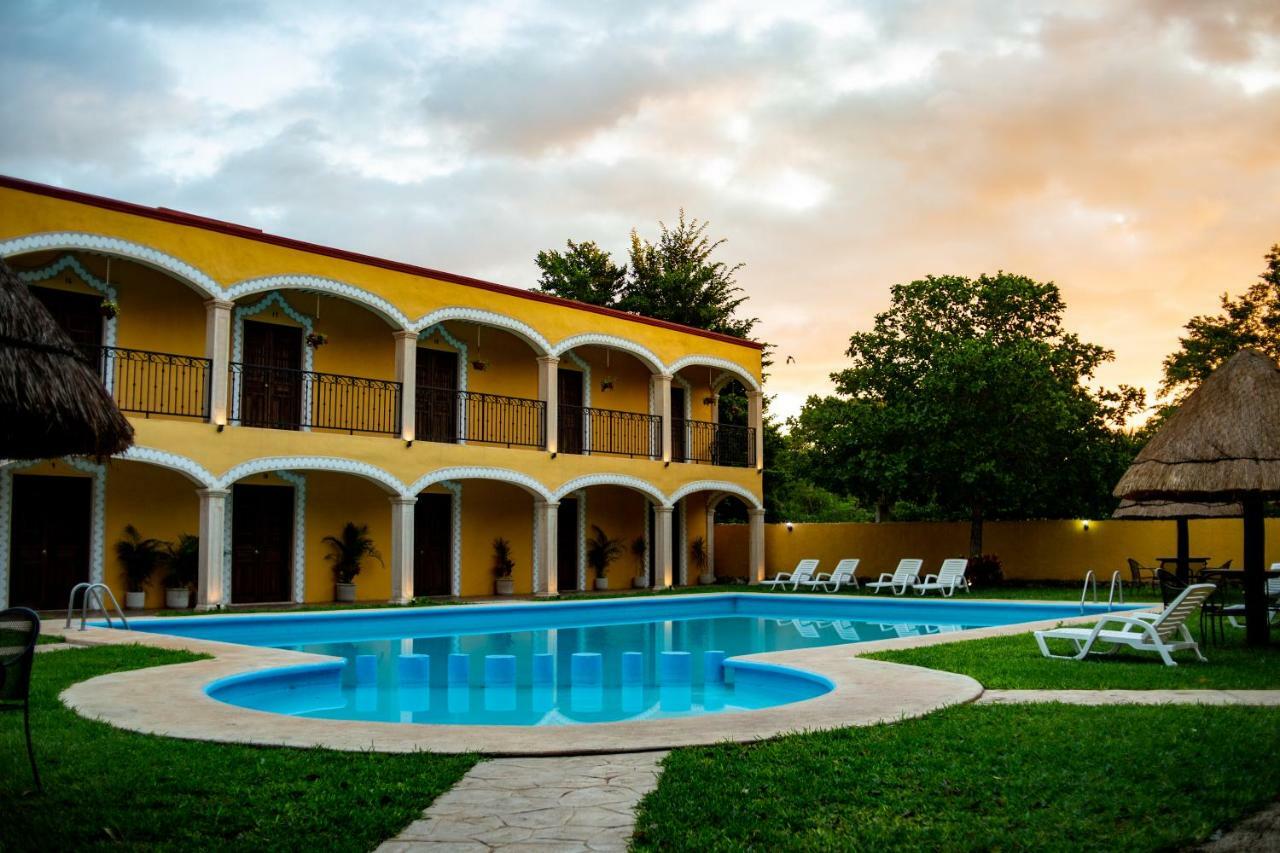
(1223, 441)
(1164, 510)
(1223, 444)
(52, 402)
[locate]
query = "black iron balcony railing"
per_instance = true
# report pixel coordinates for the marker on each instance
(583, 429)
(284, 398)
(713, 444)
(443, 414)
(154, 383)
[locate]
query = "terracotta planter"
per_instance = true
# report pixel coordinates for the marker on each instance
(344, 592)
(135, 600)
(504, 586)
(602, 583)
(640, 583)
(706, 579)
(177, 599)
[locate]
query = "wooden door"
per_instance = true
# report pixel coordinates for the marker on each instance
(261, 543)
(271, 383)
(679, 442)
(571, 420)
(567, 534)
(433, 544)
(79, 316)
(436, 400)
(49, 539)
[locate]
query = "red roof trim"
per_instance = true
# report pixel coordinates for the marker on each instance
(245, 232)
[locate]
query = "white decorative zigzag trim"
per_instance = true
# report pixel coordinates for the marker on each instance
(70, 262)
(717, 486)
(611, 480)
(311, 463)
(110, 245)
(333, 287)
(237, 346)
(724, 364)
(478, 473)
(299, 483)
(485, 318)
(164, 459)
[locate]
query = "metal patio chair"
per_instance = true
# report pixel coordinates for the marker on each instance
(19, 632)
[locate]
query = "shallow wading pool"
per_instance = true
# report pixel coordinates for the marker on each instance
(540, 664)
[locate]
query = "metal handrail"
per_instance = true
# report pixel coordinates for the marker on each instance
(156, 383)
(458, 417)
(1089, 578)
(589, 430)
(713, 443)
(316, 400)
(95, 590)
(1117, 585)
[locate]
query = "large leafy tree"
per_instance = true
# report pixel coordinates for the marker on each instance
(674, 279)
(971, 395)
(583, 271)
(1250, 320)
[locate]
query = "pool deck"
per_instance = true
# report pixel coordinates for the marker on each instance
(171, 701)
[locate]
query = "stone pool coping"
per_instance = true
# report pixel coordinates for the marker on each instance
(171, 700)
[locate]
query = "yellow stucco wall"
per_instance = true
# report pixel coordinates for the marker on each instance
(332, 501)
(1029, 550)
(621, 514)
(490, 510)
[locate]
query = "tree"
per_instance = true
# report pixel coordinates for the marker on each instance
(583, 271)
(970, 393)
(675, 279)
(1252, 320)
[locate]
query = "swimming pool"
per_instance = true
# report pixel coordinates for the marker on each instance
(539, 664)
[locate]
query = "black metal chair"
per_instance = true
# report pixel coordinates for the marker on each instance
(19, 632)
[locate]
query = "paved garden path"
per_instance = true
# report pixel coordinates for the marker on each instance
(1133, 697)
(582, 802)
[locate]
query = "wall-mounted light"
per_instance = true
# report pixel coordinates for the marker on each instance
(790, 527)
(1086, 525)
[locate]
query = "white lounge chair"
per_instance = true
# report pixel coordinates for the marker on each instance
(842, 576)
(847, 631)
(1167, 633)
(1273, 602)
(806, 628)
(948, 579)
(903, 578)
(803, 573)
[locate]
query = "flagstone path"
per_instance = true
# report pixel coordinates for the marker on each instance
(574, 803)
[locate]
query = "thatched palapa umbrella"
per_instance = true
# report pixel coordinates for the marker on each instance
(1181, 513)
(52, 402)
(1222, 444)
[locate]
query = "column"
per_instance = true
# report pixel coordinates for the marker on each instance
(407, 376)
(402, 548)
(662, 400)
(548, 393)
(755, 420)
(545, 527)
(715, 407)
(755, 551)
(711, 537)
(213, 520)
(663, 570)
(217, 348)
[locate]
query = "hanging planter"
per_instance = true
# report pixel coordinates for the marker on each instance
(606, 384)
(480, 364)
(315, 340)
(109, 308)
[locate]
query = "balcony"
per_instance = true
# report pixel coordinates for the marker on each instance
(588, 430)
(154, 383)
(713, 443)
(285, 398)
(469, 417)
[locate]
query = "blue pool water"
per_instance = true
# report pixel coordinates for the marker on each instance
(563, 663)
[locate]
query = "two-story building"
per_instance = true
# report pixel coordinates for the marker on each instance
(279, 389)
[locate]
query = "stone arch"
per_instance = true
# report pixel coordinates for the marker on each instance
(716, 486)
(189, 275)
(504, 475)
(266, 464)
(393, 316)
(645, 355)
(189, 468)
(634, 483)
(520, 329)
(739, 372)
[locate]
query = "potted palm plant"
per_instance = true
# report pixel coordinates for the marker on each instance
(183, 560)
(347, 553)
(502, 567)
(139, 558)
(601, 551)
(698, 551)
(639, 550)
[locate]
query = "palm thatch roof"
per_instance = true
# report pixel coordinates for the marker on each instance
(52, 402)
(1222, 443)
(1156, 509)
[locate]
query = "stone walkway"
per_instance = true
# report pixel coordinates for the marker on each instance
(1133, 697)
(572, 804)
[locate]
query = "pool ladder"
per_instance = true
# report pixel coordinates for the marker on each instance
(1114, 596)
(94, 591)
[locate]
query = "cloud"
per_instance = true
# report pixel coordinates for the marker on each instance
(1125, 150)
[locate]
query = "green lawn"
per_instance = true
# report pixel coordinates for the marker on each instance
(46, 639)
(1040, 777)
(108, 787)
(1015, 663)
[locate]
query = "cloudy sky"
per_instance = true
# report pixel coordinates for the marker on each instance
(1128, 150)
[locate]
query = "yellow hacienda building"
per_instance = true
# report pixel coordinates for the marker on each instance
(280, 389)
